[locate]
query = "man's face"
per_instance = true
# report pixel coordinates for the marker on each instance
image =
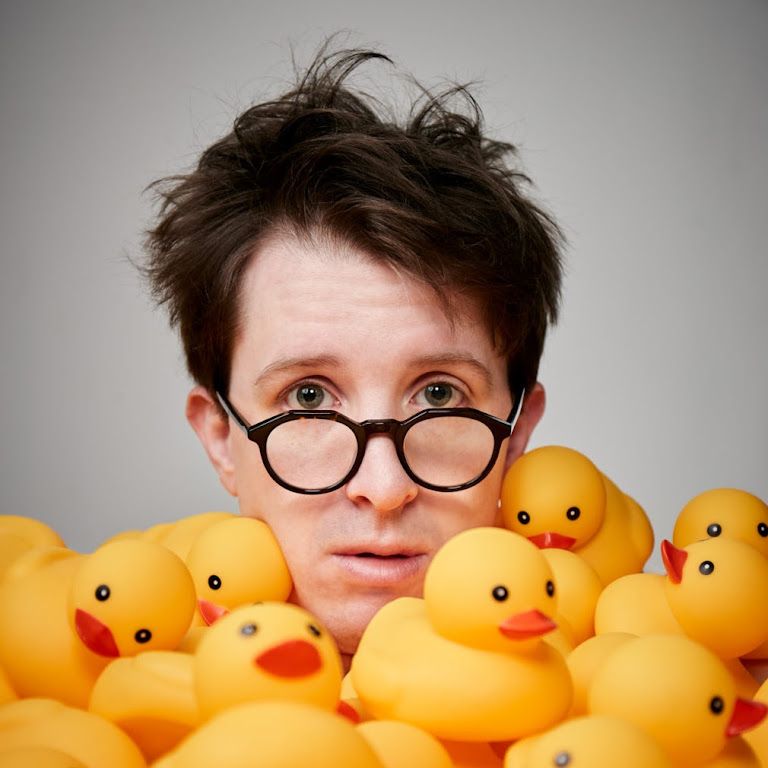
(324, 326)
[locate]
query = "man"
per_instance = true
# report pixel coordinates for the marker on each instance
(323, 260)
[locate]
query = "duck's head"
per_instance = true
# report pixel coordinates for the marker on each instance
(234, 562)
(718, 591)
(726, 513)
(129, 596)
(491, 589)
(554, 496)
(267, 650)
(676, 690)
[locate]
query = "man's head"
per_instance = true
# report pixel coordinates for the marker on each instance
(323, 256)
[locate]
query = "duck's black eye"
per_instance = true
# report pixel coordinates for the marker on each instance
(102, 592)
(214, 582)
(573, 513)
(550, 587)
(714, 529)
(314, 630)
(762, 529)
(523, 517)
(143, 636)
(716, 705)
(706, 567)
(248, 629)
(561, 759)
(500, 593)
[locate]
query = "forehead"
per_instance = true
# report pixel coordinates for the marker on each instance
(296, 293)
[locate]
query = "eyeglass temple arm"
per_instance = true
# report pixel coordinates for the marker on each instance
(515, 414)
(231, 412)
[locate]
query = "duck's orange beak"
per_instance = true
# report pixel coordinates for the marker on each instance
(552, 540)
(294, 658)
(746, 714)
(523, 626)
(96, 636)
(674, 559)
(211, 612)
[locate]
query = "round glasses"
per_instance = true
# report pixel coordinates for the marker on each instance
(443, 449)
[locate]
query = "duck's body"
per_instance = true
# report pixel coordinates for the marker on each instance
(404, 670)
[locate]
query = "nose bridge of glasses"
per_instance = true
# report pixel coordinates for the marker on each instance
(380, 427)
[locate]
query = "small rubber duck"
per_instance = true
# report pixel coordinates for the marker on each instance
(180, 535)
(66, 615)
(594, 741)
(237, 561)
(723, 512)
(557, 497)
(402, 745)
(87, 738)
(677, 691)
(278, 734)
(267, 650)
(758, 737)
(20, 534)
(38, 757)
(467, 662)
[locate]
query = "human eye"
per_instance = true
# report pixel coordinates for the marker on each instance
(439, 394)
(308, 395)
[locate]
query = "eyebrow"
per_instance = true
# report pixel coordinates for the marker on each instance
(285, 365)
(442, 359)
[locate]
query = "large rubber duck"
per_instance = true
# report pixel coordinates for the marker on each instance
(596, 741)
(66, 615)
(678, 692)
(557, 497)
(278, 734)
(267, 650)
(237, 561)
(723, 512)
(50, 725)
(467, 662)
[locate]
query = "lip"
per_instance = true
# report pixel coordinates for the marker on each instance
(384, 567)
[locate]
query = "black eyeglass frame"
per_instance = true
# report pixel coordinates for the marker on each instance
(258, 433)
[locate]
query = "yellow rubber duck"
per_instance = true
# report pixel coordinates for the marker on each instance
(50, 725)
(758, 737)
(596, 741)
(402, 745)
(267, 650)
(278, 734)
(467, 662)
(66, 615)
(717, 589)
(38, 757)
(180, 535)
(237, 561)
(151, 697)
(677, 691)
(556, 497)
(723, 512)
(737, 753)
(20, 534)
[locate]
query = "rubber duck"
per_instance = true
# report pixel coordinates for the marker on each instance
(596, 741)
(278, 734)
(737, 753)
(717, 589)
(677, 691)
(38, 757)
(151, 697)
(584, 661)
(723, 512)
(557, 497)
(402, 745)
(87, 738)
(180, 535)
(267, 650)
(66, 615)
(467, 662)
(758, 737)
(20, 534)
(578, 589)
(237, 561)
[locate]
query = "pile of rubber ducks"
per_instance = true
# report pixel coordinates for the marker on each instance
(540, 644)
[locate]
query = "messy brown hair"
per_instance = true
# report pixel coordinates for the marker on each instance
(433, 197)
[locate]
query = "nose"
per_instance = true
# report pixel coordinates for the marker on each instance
(381, 481)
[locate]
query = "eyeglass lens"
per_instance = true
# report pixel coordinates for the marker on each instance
(317, 453)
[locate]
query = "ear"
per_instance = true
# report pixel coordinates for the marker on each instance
(212, 427)
(530, 415)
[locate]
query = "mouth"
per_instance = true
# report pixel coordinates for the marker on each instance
(382, 566)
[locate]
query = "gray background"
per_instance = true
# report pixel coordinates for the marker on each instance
(643, 124)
